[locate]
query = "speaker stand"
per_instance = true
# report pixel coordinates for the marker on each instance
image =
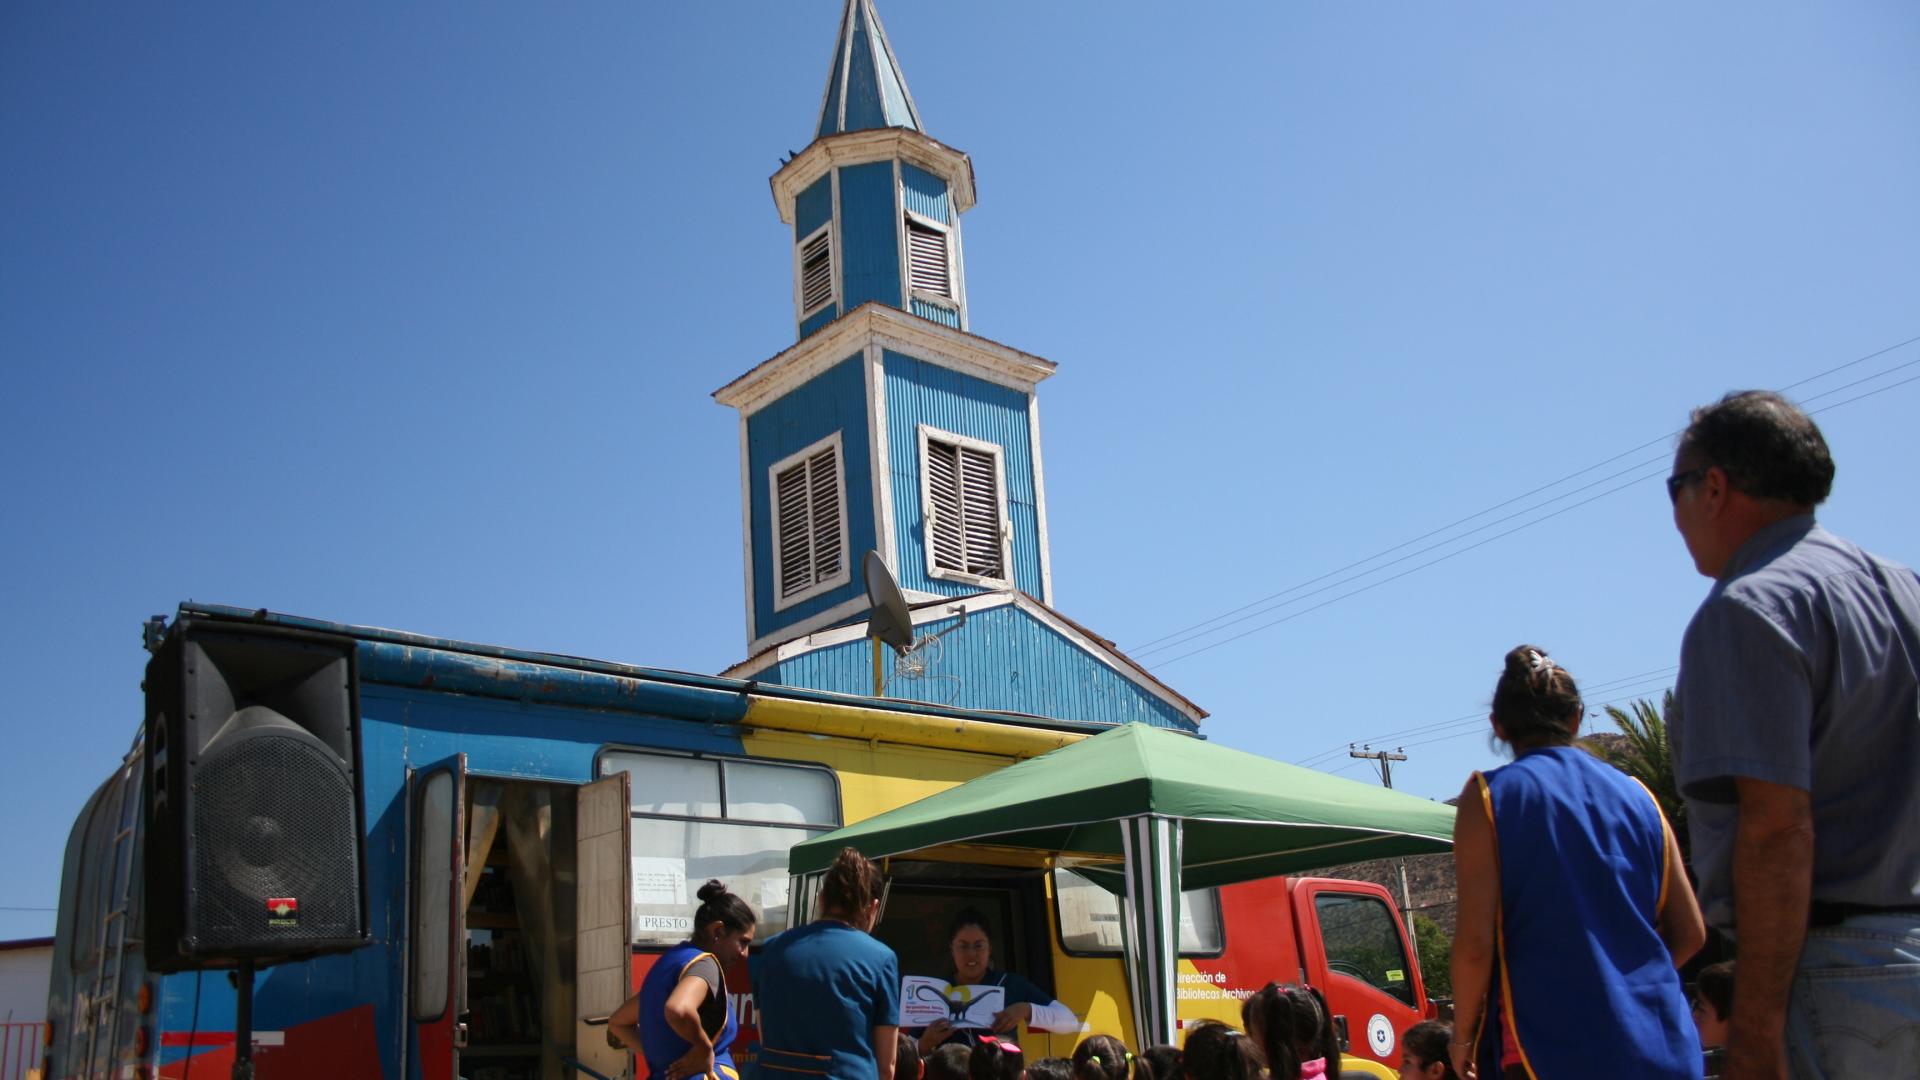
(243, 1022)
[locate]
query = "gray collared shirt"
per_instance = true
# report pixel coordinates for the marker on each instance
(1802, 667)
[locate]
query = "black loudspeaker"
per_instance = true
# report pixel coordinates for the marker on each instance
(255, 845)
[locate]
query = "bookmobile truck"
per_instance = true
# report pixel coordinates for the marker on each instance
(528, 828)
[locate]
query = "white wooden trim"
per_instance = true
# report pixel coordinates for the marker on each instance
(839, 245)
(846, 68)
(959, 263)
(877, 431)
(832, 67)
(900, 242)
(861, 147)
(836, 614)
(1107, 656)
(764, 653)
(845, 574)
(892, 328)
(799, 270)
(999, 455)
(1039, 498)
(781, 651)
(878, 34)
(746, 521)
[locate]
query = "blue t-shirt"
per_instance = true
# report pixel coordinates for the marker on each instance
(821, 989)
(1802, 667)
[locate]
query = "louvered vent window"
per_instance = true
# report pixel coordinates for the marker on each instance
(808, 548)
(965, 529)
(927, 259)
(816, 272)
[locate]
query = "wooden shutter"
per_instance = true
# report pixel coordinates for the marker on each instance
(948, 510)
(806, 500)
(980, 490)
(927, 259)
(963, 496)
(816, 272)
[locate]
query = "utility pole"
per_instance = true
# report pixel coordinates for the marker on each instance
(1385, 760)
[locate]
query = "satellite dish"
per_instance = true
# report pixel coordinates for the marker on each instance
(890, 622)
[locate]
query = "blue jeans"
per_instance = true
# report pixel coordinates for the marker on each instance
(1855, 1009)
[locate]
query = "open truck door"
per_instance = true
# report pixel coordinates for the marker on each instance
(603, 953)
(436, 917)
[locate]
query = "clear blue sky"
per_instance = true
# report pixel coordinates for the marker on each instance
(408, 316)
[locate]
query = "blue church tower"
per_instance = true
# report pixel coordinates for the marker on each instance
(890, 426)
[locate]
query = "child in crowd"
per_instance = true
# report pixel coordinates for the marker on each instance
(1050, 1068)
(1103, 1057)
(996, 1059)
(1423, 1052)
(1293, 1031)
(1217, 1052)
(1164, 1060)
(950, 1062)
(1713, 1003)
(906, 1058)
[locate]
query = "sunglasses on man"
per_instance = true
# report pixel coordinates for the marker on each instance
(1678, 482)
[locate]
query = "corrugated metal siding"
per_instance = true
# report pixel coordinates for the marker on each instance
(945, 316)
(813, 207)
(869, 235)
(925, 193)
(865, 109)
(834, 400)
(1003, 659)
(830, 112)
(922, 393)
(817, 320)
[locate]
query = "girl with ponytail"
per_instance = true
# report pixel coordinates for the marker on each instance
(679, 1024)
(1293, 1030)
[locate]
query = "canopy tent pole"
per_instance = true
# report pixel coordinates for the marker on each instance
(1150, 926)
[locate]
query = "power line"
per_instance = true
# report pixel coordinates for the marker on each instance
(28, 909)
(1245, 612)
(1403, 573)
(1187, 636)
(1137, 653)
(1473, 721)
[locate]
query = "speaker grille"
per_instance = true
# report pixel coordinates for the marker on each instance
(273, 819)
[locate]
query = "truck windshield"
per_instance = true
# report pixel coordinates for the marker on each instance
(1363, 942)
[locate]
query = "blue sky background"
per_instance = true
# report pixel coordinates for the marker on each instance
(408, 317)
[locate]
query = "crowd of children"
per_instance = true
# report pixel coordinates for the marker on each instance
(1286, 1033)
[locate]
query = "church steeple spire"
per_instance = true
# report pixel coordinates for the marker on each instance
(865, 89)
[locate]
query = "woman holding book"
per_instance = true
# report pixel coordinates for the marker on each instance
(971, 950)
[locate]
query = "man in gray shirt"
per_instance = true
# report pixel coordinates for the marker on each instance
(1796, 739)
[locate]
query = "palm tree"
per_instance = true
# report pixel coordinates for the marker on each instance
(1642, 751)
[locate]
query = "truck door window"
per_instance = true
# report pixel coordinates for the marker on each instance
(1363, 942)
(1090, 918)
(696, 818)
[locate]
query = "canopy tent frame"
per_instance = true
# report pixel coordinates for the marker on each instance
(1145, 812)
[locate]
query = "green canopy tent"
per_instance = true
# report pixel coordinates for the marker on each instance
(1147, 812)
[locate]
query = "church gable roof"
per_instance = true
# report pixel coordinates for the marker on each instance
(1026, 657)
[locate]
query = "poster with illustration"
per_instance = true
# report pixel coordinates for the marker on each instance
(924, 1000)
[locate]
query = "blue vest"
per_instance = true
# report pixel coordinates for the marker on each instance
(664, 1045)
(1581, 967)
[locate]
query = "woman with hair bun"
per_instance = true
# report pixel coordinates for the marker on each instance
(828, 992)
(679, 1024)
(1574, 908)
